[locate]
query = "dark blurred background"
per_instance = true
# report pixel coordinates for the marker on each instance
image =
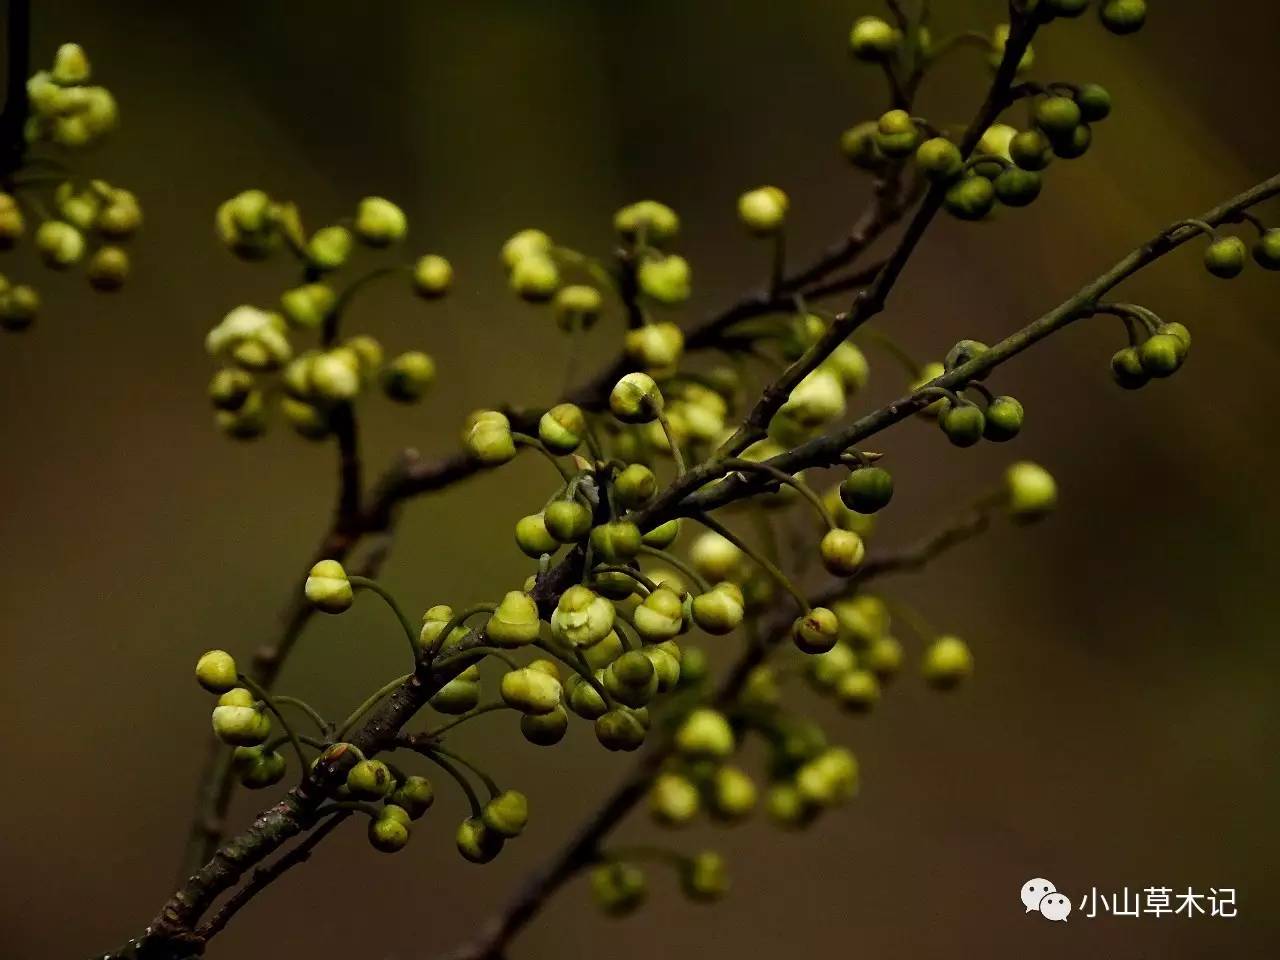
(1121, 729)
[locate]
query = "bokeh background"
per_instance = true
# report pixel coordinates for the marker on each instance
(1121, 729)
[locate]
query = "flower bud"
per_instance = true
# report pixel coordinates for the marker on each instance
(673, 800)
(535, 278)
(108, 269)
(329, 248)
(12, 224)
(816, 631)
(660, 616)
(259, 769)
(720, 609)
(585, 699)
(897, 134)
(826, 669)
(562, 428)
(634, 486)
(1266, 251)
(59, 244)
(858, 144)
(655, 346)
(328, 588)
(861, 618)
(939, 159)
(526, 243)
(487, 438)
(577, 307)
(582, 618)
(631, 679)
(567, 520)
(842, 552)
(947, 661)
(507, 814)
(237, 721)
(547, 729)
(476, 842)
(858, 691)
(635, 398)
(307, 306)
(867, 489)
(656, 222)
(716, 558)
(763, 210)
(252, 338)
(963, 423)
(1031, 150)
(1123, 17)
(1161, 355)
(414, 795)
(456, 697)
(733, 794)
(120, 216)
(370, 780)
(618, 888)
(705, 734)
(665, 658)
(380, 222)
(1223, 258)
(1032, 490)
(883, 657)
(928, 373)
(787, 808)
(817, 399)
(1075, 144)
(873, 40)
(1003, 419)
(533, 538)
(515, 622)
(216, 671)
(704, 877)
(1094, 102)
(388, 834)
(616, 541)
(246, 422)
(530, 691)
(1016, 187)
(970, 198)
(432, 276)
(1057, 116)
(620, 729)
(70, 65)
(828, 778)
(407, 377)
(999, 38)
(1127, 369)
(663, 535)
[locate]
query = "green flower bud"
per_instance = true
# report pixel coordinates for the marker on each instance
(535, 278)
(665, 279)
(584, 699)
(635, 398)
(939, 159)
(367, 353)
(705, 734)
(432, 276)
(547, 729)
(120, 216)
(329, 248)
(994, 142)
(616, 541)
(733, 794)
(12, 224)
(858, 691)
(665, 658)
(963, 423)
(408, 376)
(476, 842)
(328, 588)
(716, 558)
(1003, 419)
(335, 375)
(530, 691)
(928, 373)
(842, 552)
(719, 610)
(1094, 102)
(414, 796)
(237, 721)
(947, 661)
(673, 800)
(1057, 116)
(388, 834)
(108, 269)
(515, 622)
(787, 808)
(1000, 37)
(663, 535)
(507, 814)
(873, 40)
(77, 207)
(1127, 369)
(526, 243)
(1266, 251)
(620, 729)
(1161, 354)
(763, 210)
(70, 65)
(577, 307)
(858, 144)
(456, 697)
(867, 489)
(380, 222)
(656, 221)
(487, 438)
(816, 400)
(761, 690)
(693, 666)
(828, 778)
(1225, 257)
(259, 769)
(704, 877)
(245, 423)
(883, 657)
(970, 198)
(862, 618)
(816, 631)
(308, 305)
(1177, 330)
(370, 780)
(252, 338)
(1075, 144)
(533, 538)
(562, 427)
(1123, 17)
(1031, 150)
(59, 244)
(618, 888)
(307, 419)
(18, 307)
(244, 223)
(660, 616)
(1016, 187)
(567, 520)
(631, 679)
(655, 346)
(850, 365)
(826, 669)
(1032, 490)
(216, 671)
(963, 352)
(634, 486)
(897, 134)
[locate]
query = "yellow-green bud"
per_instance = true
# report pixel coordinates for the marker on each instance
(665, 658)
(704, 877)
(660, 616)
(673, 800)
(842, 552)
(547, 729)
(70, 65)
(246, 422)
(618, 888)
(585, 699)
(635, 398)
(456, 697)
(763, 210)
(719, 610)
(328, 588)
(379, 222)
(858, 144)
(631, 679)
(562, 427)
(862, 618)
(874, 40)
(947, 661)
(1032, 491)
(408, 376)
(370, 780)
(858, 690)
(526, 243)
(120, 216)
(535, 278)
(414, 796)
(828, 778)
(487, 438)
(663, 535)
(850, 365)
(577, 306)
(582, 618)
(883, 657)
(530, 691)
(634, 486)
(655, 346)
(620, 729)
(216, 671)
(733, 794)
(507, 814)
(308, 305)
(108, 269)
(817, 399)
(533, 538)
(705, 734)
(827, 669)
(616, 541)
(928, 373)
(260, 770)
(237, 721)
(567, 520)
(335, 375)
(1000, 37)
(432, 276)
(515, 622)
(306, 419)
(787, 808)
(897, 134)
(387, 834)
(329, 247)
(59, 244)
(12, 224)
(656, 221)
(476, 842)
(665, 279)
(816, 631)
(252, 338)
(715, 557)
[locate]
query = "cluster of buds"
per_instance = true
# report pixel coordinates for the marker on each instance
(65, 108)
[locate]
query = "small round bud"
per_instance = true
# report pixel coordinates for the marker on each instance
(328, 588)
(826, 669)
(567, 520)
(618, 888)
(616, 541)
(947, 661)
(705, 734)
(407, 377)
(634, 486)
(120, 216)
(655, 346)
(526, 243)
(939, 159)
(665, 658)
(858, 691)
(867, 489)
(1003, 419)
(334, 375)
(59, 244)
(547, 729)
(507, 814)
(665, 279)
(18, 307)
(1123, 17)
(787, 808)
(1177, 330)
(862, 618)
(816, 631)
(999, 38)
(842, 552)
(585, 699)
(238, 722)
(1032, 491)
(562, 428)
(414, 795)
(70, 65)
(456, 697)
(388, 834)
(533, 538)
(1031, 150)
(515, 622)
(577, 307)
(216, 671)
(530, 691)
(655, 221)
(873, 40)
(476, 842)
(379, 222)
(660, 616)
(704, 877)
(733, 794)
(245, 423)
(970, 198)
(535, 278)
(1074, 144)
(858, 144)
(763, 210)
(262, 769)
(329, 248)
(432, 276)
(1127, 369)
(108, 269)
(663, 535)
(897, 134)
(673, 800)
(12, 224)
(487, 438)
(370, 780)
(716, 558)
(307, 306)
(1057, 116)
(720, 610)
(963, 424)
(883, 657)
(1094, 102)
(1266, 251)
(635, 398)
(306, 419)
(1161, 355)
(1016, 187)
(620, 729)
(827, 779)
(1225, 257)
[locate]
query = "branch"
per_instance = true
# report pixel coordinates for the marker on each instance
(13, 119)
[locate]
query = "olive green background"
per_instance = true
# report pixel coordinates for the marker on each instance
(1121, 729)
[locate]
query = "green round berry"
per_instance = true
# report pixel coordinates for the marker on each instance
(1180, 331)
(1225, 257)
(1003, 419)
(1161, 354)
(1266, 251)
(1057, 116)
(947, 661)
(1123, 17)
(266, 769)
(873, 40)
(634, 486)
(858, 691)
(1073, 144)
(842, 552)
(1031, 150)
(897, 134)
(963, 424)
(867, 489)
(476, 842)
(407, 377)
(388, 834)
(507, 814)
(567, 520)
(620, 729)
(216, 671)
(547, 729)
(816, 632)
(970, 198)
(414, 795)
(616, 541)
(1016, 187)
(456, 697)
(432, 276)
(939, 159)
(1094, 102)
(533, 538)
(328, 587)
(370, 780)
(379, 222)
(763, 210)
